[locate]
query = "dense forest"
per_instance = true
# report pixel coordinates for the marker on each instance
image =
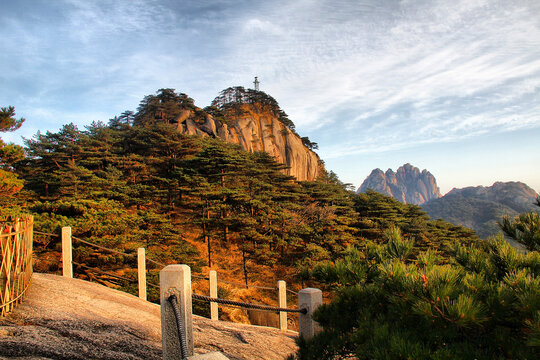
(417, 288)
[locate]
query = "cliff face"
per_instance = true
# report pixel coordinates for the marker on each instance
(256, 129)
(407, 184)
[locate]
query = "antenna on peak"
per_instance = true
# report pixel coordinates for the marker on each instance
(256, 83)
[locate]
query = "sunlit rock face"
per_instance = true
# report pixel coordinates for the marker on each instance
(256, 129)
(408, 184)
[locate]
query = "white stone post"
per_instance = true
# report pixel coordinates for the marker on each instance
(67, 257)
(309, 299)
(175, 279)
(141, 272)
(214, 315)
(282, 303)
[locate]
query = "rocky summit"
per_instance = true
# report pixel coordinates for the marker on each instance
(256, 129)
(408, 184)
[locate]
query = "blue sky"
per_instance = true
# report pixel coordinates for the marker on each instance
(450, 86)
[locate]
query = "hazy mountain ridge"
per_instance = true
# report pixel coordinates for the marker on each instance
(480, 207)
(408, 184)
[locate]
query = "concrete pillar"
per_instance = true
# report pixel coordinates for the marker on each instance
(67, 257)
(214, 315)
(282, 303)
(309, 299)
(141, 272)
(175, 279)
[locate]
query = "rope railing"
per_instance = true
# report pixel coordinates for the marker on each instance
(180, 328)
(44, 233)
(15, 260)
(271, 288)
(177, 280)
(103, 247)
(143, 283)
(246, 305)
(105, 272)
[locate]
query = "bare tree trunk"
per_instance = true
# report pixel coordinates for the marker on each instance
(245, 267)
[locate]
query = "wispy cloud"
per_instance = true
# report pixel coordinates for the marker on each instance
(377, 75)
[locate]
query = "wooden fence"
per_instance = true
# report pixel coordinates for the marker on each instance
(16, 236)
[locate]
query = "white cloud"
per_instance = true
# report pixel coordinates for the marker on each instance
(376, 75)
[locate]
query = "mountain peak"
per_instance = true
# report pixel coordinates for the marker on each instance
(407, 184)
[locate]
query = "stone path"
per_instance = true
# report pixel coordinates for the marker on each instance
(74, 319)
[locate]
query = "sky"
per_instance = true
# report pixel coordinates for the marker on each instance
(448, 86)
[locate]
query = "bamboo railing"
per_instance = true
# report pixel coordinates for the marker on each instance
(15, 260)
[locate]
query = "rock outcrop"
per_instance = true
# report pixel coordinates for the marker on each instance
(62, 318)
(255, 128)
(407, 184)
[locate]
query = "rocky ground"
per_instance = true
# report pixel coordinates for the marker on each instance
(74, 319)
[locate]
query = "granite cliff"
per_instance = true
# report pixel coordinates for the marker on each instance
(408, 184)
(256, 128)
(250, 118)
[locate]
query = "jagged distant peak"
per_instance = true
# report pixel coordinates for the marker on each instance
(407, 184)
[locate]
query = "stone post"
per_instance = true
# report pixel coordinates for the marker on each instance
(214, 315)
(175, 279)
(282, 303)
(310, 299)
(67, 260)
(141, 272)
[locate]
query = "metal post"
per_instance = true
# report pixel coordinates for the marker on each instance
(213, 293)
(309, 299)
(175, 279)
(67, 257)
(141, 275)
(282, 303)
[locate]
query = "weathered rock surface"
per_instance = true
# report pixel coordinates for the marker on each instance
(256, 129)
(74, 319)
(407, 184)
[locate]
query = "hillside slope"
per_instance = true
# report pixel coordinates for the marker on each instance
(480, 207)
(74, 319)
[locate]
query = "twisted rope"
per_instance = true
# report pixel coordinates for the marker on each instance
(246, 305)
(179, 326)
(44, 233)
(102, 247)
(163, 265)
(104, 272)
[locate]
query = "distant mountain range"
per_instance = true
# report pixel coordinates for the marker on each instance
(408, 184)
(478, 208)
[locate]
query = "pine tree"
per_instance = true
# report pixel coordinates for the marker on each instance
(10, 184)
(525, 228)
(391, 304)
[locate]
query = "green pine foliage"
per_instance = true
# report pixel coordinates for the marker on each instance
(525, 228)
(10, 184)
(137, 182)
(391, 304)
(378, 212)
(228, 102)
